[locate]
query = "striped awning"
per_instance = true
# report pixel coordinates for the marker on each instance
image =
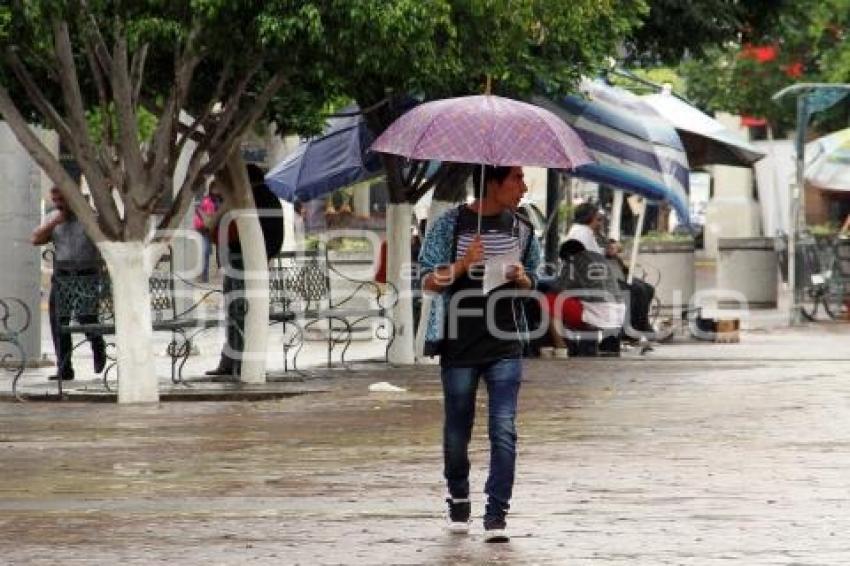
(624, 133)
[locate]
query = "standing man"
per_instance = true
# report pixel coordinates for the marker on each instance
(74, 255)
(480, 336)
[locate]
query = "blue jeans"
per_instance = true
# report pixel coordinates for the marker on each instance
(460, 385)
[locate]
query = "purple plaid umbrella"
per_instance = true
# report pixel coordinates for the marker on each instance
(484, 129)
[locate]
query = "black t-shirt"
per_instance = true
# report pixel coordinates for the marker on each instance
(271, 220)
(472, 340)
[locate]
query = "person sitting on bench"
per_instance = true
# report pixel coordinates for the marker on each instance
(595, 299)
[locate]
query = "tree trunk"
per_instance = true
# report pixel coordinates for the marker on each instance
(257, 295)
(130, 265)
(398, 256)
(256, 268)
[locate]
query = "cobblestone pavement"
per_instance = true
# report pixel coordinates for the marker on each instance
(694, 454)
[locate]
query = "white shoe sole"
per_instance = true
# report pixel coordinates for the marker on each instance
(458, 528)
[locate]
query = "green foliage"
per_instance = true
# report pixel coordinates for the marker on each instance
(438, 48)
(810, 39)
(674, 29)
(823, 230)
(146, 123)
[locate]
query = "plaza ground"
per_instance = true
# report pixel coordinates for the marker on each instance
(696, 453)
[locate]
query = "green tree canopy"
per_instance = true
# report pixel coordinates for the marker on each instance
(386, 50)
(202, 69)
(807, 43)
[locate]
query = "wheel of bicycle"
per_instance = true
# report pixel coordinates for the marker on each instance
(810, 297)
(833, 300)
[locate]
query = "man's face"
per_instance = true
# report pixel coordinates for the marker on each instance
(596, 223)
(613, 249)
(510, 191)
(57, 199)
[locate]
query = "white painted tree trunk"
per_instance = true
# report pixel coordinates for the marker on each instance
(130, 265)
(437, 208)
(257, 293)
(398, 257)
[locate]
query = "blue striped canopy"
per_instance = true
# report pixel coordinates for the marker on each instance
(634, 148)
(632, 182)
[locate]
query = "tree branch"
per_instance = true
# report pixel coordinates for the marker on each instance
(160, 147)
(137, 72)
(188, 189)
(231, 105)
(248, 116)
(38, 99)
(107, 163)
(413, 168)
(51, 166)
(128, 129)
(85, 153)
(219, 90)
(101, 50)
(420, 174)
(395, 184)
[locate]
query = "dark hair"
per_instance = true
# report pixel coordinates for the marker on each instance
(570, 248)
(496, 173)
(255, 174)
(585, 212)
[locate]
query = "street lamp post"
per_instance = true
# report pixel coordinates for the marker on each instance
(831, 93)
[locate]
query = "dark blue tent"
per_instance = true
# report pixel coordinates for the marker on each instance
(334, 159)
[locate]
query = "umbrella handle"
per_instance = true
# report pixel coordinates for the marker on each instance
(480, 197)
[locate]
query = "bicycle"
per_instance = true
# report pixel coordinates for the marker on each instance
(821, 285)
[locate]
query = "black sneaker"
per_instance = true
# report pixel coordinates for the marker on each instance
(495, 530)
(99, 357)
(459, 513)
(64, 376)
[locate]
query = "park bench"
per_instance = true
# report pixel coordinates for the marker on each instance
(301, 296)
(84, 304)
(308, 290)
(15, 318)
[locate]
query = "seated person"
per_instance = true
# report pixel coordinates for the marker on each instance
(641, 293)
(594, 300)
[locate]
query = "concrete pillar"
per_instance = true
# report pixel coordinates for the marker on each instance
(747, 266)
(732, 211)
(187, 243)
(20, 212)
(361, 205)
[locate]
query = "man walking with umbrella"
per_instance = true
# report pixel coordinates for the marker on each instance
(482, 334)
(503, 133)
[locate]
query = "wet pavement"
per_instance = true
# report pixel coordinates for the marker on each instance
(694, 454)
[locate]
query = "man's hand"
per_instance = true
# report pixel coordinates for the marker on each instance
(474, 254)
(44, 232)
(444, 276)
(516, 273)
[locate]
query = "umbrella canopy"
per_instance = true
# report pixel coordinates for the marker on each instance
(332, 160)
(828, 161)
(633, 182)
(706, 141)
(635, 149)
(484, 129)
